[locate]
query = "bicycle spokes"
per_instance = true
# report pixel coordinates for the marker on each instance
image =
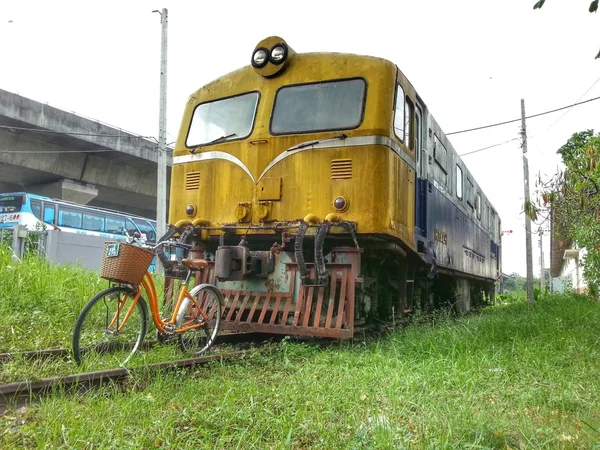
(110, 328)
(199, 318)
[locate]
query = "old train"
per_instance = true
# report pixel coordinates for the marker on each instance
(325, 197)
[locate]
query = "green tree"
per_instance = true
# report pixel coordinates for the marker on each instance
(593, 8)
(574, 198)
(513, 282)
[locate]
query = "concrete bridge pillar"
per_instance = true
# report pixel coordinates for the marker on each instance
(69, 190)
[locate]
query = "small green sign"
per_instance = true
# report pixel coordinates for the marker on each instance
(112, 250)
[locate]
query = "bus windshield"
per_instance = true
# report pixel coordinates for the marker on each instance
(222, 120)
(11, 203)
(332, 105)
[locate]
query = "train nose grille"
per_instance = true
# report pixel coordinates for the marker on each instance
(341, 169)
(192, 181)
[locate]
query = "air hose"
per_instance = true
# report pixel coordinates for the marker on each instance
(298, 252)
(322, 274)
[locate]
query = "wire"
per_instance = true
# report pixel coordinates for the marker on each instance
(58, 151)
(528, 117)
(104, 150)
(567, 111)
(488, 147)
(38, 130)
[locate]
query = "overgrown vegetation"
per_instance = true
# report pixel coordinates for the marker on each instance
(509, 377)
(571, 200)
(39, 304)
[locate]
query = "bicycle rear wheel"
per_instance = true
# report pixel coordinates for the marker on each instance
(209, 300)
(110, 329)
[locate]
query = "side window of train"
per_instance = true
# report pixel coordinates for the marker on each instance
(459, 182)
(421, 156)
(470, 194)
(408, 124)
(440, 154)
(478, 206)
(400, 113)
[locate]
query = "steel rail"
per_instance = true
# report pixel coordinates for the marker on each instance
(21, 393)
(66, 353)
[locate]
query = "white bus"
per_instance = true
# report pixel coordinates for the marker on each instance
(37, 213)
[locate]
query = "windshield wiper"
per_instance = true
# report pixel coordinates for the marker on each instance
(214, 141)
(309, 143)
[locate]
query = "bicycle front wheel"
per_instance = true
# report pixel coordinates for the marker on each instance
(110, 329)
(205, 311)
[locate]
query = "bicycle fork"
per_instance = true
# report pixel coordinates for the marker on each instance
(115, 319)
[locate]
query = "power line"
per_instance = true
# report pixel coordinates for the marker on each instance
(58, 151)
(39, 130)
(488, 147)
(104, 150)
(567, 111)
(519, 119)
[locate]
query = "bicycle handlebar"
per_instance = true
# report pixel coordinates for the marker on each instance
(134, 239)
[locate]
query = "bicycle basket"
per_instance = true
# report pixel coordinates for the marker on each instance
(125, 263)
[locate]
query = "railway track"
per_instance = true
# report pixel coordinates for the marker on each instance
(21, 393)
(65, 353)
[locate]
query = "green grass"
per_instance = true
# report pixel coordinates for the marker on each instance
(508, 377)
(39, 304)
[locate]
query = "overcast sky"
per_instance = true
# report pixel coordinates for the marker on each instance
(470, 60)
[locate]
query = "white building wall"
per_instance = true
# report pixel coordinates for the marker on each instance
(571, 275)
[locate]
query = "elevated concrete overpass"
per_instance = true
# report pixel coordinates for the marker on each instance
(52, 152)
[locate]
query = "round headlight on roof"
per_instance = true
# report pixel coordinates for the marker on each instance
(260, 57)
(278, 53)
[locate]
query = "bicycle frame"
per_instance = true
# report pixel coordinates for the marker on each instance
(150, 288)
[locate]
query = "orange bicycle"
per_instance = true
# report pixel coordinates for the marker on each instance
(115, 320)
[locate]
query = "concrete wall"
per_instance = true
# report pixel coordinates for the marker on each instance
(76, 249)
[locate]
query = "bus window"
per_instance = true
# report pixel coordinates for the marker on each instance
(49, 214)
(68, 217)
(11, 203)
(36, 208)
(93, 222)
(130, 226)
(146, 228)
(115, 224)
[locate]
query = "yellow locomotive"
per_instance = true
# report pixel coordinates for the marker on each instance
(322, 192)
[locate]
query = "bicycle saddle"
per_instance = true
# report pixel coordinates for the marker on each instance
(195, 264)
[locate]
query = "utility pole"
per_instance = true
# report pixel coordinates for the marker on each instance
(530, 298)
(542, 281)
(161, 186)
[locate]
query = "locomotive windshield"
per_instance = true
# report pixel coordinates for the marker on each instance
(221, 120)
(332, 105)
